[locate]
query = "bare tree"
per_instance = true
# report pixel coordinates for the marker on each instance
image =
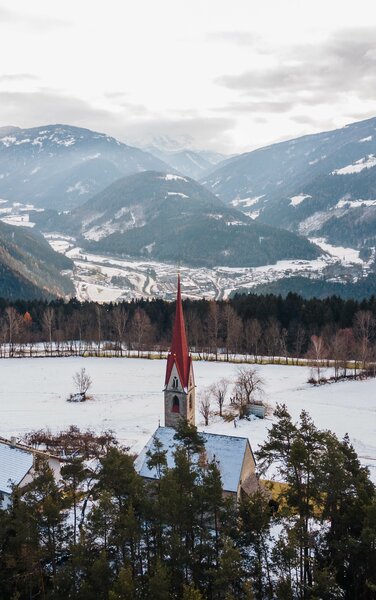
(272, 337)
(232, 328)
(283, 344)
(140, 329)
(248, 389)
(48, 321)
(204, 404)
(364, 325)
(119, 320)
(13, 322)
(253, 332)
(219, 391)
(317, 352)
(213, 327)
(82, 381)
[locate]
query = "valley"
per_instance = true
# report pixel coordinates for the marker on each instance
(103, 278)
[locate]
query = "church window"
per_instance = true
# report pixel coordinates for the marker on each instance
(175, 404)
(190, 401)
(175, 383)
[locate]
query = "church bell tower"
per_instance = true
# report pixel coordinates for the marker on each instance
(179, 391)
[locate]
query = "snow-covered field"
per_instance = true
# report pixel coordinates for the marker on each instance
(128, 398)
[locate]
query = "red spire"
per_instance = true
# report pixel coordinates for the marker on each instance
(178, 354)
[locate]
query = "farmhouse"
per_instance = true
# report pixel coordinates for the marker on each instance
(233, 454)
(18, 467)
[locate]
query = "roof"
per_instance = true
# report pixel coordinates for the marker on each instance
(14, 465)
(179, 354)
(228, 450)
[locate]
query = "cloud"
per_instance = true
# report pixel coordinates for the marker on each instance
(39, 23)
(17, 77)
(314, 74)
(206, 132)
(44, 107)
(50, 106)
(237, 38)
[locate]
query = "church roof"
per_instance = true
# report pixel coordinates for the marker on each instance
(14, 465)
(179, 354)
(228, 450)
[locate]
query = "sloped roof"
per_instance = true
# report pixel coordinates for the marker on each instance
(179, 354)
(14, 465)
(228, 450)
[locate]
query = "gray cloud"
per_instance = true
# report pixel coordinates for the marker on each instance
(43, 107)
(49, 106)
(311, 75)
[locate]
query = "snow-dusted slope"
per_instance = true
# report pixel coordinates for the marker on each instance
(307, 184)
(60, 166)
(168, 217)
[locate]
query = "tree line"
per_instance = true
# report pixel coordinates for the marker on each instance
(104, 533)
(257, 326)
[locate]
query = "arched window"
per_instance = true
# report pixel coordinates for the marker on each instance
(175, 383)
(175, 404)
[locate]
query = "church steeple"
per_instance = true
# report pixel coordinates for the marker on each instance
(179, 382)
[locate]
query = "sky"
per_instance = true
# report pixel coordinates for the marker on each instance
(228, 76)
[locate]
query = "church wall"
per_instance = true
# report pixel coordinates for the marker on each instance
(186, 401)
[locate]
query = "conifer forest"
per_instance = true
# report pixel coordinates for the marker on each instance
(107, 534)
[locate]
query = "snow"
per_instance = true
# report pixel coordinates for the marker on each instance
(177, 194)
(127, 399)
(78, 187)
(364, 163)
(346, 255)
(246, 202)
(344, 203)
(8, 140)
(296, 200)
(170, 177)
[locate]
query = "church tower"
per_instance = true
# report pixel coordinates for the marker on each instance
(179, 391)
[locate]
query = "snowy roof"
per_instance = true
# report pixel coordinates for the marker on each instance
(228, 450)
(14, 464)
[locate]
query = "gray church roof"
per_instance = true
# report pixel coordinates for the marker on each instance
(228, 450)
(14, 465)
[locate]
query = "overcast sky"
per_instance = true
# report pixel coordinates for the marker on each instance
(232, 75)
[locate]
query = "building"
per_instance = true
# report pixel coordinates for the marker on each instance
(18, 467)
(233, 454)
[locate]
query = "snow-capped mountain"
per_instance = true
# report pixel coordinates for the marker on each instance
(168, 217)
(60, 166)
(181, 154)
(322, 184)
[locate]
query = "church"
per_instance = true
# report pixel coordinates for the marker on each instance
(233, 454)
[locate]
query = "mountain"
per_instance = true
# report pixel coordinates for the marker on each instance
(193, 163)
(29, 268)
(317, 185)
(167, 217)
(60, 166)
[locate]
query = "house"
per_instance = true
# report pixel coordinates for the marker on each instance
(18, 467)
(233, 454)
